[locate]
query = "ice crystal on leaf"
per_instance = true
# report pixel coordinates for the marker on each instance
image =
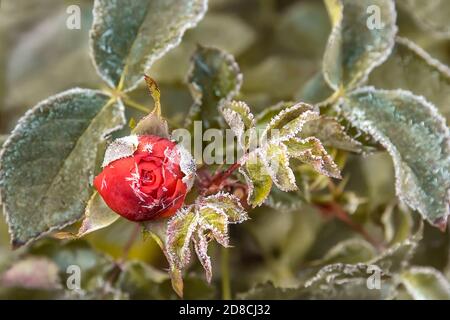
(208, 218)
(280, 141)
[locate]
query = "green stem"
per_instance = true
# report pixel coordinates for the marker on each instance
(225, 266)
(136, 105)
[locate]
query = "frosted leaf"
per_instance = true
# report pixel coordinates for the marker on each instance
(214, 79)
(266, 115)
(239, 118)
(236, 124)
(418, 140)
(201, 249)
(213, 219)
(425, 283)
(59, 139)
(330, 133)
(243, 110)
(179, 232)
(294, 127)
(230, 204)
(208, 218)
(125, 42)
(311, 151)
(354, 49)
(348, 281)
(289, 121)
(120, 148)
(409, 67)
(258, 179)
(275, 158)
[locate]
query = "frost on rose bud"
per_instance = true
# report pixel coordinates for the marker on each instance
(145, 177)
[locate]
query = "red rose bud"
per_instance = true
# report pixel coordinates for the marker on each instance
(145, 177)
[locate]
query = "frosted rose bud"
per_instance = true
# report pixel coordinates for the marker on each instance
(145, 177)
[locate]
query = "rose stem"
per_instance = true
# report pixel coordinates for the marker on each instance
(225, 266)
(337, 211)
(219, 178)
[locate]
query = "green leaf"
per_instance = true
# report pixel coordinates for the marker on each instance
(265, 116)
(258, 179)
(276, 160)
(326, 129)
(229, 204)
(331, 133)
(207, 218)
(128, 36)
(179, 232)
(354, 47)
(430, 15)
(348, 281)
(289, 122)
(216, 220)
(411, 68)
(214, 79)
(239, 118)
(417, 139)
(243, 111)
(424, 283)
(311, 151)
(49, 160)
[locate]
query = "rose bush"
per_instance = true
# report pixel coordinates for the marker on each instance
(146, 185)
